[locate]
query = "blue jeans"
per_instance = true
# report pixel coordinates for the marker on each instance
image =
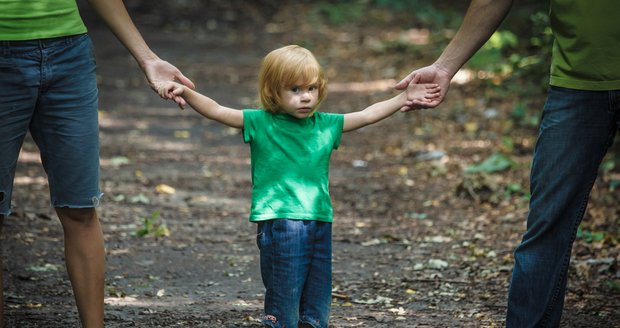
(49, 87)
(576, 130)
(296, 267)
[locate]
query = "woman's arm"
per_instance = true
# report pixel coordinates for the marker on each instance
(114, 14)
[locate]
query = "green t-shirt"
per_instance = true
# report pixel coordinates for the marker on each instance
(290, 164)
(39, 19)
(586, 51)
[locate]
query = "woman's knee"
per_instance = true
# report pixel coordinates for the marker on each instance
(82, 215)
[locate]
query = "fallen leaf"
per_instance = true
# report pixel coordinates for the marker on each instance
(165, 189)
(437, 264)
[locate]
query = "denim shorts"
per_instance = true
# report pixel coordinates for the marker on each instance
(296, 267)
(49, 87)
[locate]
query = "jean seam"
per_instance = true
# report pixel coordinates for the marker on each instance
(275, 301)
(565, 263)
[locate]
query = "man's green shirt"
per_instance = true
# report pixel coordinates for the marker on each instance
(586, 51)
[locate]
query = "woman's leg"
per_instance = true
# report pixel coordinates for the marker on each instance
(85, 260)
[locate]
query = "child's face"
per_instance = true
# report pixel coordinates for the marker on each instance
(299, 100)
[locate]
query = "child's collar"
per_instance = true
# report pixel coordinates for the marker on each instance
(291, 118)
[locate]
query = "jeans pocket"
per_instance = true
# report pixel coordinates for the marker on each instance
(262, 236)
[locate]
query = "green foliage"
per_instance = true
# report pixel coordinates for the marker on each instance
(508, 144)
(424, 12)
(614, 184)
(478, 181)
(494, 163)
(536, 57)
(399, 5)
(590, 236)
(513, 189)
(152, 227)
(607, 165)
(491, 56)
(523, 117)
(610, 165)
(114, 291)
(340, 12)
(614, 285)
(518, 58)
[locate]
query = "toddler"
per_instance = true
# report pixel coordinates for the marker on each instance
(290, 148)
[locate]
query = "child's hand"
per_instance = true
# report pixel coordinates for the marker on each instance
(171, 90)
(426, 93)
(159, 71)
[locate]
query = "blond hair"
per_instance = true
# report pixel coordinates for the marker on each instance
(287, 66)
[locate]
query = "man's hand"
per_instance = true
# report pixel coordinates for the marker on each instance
(421, 93)
(429, 74)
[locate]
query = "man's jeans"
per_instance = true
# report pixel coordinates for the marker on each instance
(296, 267)
(576, 130)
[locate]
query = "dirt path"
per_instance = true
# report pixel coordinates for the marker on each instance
(408, 250)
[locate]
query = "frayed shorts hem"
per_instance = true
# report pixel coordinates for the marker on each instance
(95, 201)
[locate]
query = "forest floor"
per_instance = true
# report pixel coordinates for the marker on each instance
(418, 242)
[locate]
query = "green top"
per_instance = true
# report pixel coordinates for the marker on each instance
(290, 164)
(39, 19)
(586, 51)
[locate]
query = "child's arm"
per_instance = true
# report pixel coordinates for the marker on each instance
(381, 110)
(204, 105)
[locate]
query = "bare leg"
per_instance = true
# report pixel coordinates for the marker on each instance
(85, 260)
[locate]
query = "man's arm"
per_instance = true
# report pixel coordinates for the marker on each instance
(115, 15)
(482, 18)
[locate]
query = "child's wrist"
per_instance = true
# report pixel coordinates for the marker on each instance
(402, 97)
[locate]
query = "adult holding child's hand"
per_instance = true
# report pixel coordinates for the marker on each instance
(48, 87)
(159, 71)
(479, 23)
(428, 74)
(580, 118)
